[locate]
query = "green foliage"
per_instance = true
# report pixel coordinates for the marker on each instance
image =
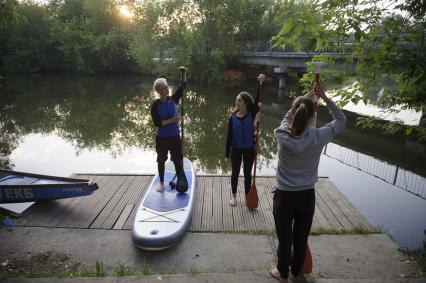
(147, 270)
(383, 43)
(91, 36)
(122, 270)
(99, 269)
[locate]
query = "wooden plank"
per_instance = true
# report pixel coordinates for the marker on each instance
(88, 208)
(354, 213)
(264, 204)
(336, 205)
(217, 204)
(33, 214)
(207, 223)
(74, 207)
(114, 206)
(228, 220)
(205, 213)
(198, 208)
(334, 222)
(139, 188)
(123, 217)
(319, 215)
(239, 218)
(111, 211)
(247, 216)
(333, 205)
(50, 213)
(257, 214)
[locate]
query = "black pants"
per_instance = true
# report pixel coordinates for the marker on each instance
(247, 157)
(293, 214)
(163, 145)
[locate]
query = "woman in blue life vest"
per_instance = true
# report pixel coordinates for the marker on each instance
(299, 151)
(240, 141)
(166, 121)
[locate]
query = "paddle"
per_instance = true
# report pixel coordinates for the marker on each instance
(182, 183)
(308, 263)
(252, 199)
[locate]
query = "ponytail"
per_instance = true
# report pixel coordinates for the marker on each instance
(302, 110)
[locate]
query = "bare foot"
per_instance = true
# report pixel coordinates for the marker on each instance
(160, 188)
(233, 201)
(277, 275)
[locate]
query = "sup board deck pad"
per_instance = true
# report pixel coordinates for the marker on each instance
(162, 218)
(168, 199)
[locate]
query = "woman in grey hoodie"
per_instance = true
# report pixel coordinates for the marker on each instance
(299, 149)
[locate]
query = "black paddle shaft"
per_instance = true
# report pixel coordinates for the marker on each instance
(183, 85)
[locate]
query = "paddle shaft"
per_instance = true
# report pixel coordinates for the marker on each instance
(260, 92)
(183, 85)
(315, 100)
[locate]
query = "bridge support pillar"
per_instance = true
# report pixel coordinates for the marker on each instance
(282, 75)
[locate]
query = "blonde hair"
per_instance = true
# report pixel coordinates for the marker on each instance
(159, 81)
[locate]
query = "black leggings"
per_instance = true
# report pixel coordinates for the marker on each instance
(165, 144)
(162, 168)
(247, 157)
(293, 214)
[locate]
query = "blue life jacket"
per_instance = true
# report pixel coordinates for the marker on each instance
(243, 132)
(167, 110)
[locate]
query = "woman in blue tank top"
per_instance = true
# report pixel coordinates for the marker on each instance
(240, 141)
(166, 121)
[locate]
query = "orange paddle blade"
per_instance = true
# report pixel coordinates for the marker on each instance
(252, 199)
(307, 265)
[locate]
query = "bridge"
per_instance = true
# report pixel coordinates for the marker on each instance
(285, 60)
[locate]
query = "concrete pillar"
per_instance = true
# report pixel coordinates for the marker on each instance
(281, 80)
(282, 75)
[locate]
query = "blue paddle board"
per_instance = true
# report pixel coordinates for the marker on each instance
(162, 219)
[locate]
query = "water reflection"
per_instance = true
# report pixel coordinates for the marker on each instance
(110, 114)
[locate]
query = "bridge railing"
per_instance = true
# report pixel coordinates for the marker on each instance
(267, 47)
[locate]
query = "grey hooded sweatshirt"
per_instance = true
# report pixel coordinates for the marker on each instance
(298, 157)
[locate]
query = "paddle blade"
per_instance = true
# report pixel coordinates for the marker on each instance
(307, 265)
(252, 199)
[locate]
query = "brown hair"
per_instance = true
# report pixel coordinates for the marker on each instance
(248, 100)
(302, 110)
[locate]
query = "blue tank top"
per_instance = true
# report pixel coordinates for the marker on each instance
(243, 132)
(167, 110)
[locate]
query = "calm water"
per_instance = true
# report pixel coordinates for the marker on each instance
(62, 124)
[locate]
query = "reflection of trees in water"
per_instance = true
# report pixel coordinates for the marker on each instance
(113, 113)
(88, 112)
(8, 142)
(10, 132)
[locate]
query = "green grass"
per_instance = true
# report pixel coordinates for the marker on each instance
(316, 231)
(147, 270)
(122, 270)
(195, 271)
(355, 230)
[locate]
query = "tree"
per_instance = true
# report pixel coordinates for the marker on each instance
(385, 42)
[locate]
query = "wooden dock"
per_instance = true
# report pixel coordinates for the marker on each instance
(113, 206)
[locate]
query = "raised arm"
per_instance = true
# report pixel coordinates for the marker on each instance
(177, 95)
(329, 130)
(261, 78)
